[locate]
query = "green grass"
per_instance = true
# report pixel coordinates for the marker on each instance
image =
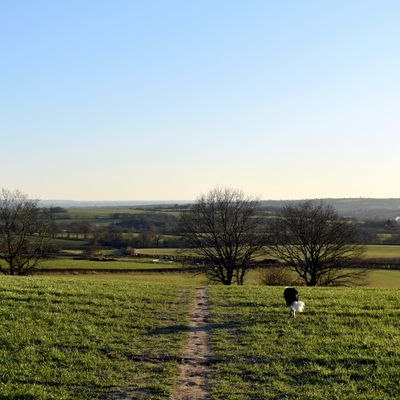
(378, 278)
(100, 212)
(375, 278)
(177, 279)
(160, 251)
(102, 336)
(383, 279)
(381, 251)
(345, 346)
(68, 263)
(75, 339)
(73, 252)
(372, 251)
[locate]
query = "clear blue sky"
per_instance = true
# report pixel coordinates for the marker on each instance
(167, 99)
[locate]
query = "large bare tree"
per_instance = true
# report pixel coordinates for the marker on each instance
(223, 230)
(315, 242)
(24, 237)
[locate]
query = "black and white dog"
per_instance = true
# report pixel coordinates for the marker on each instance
(291, 296)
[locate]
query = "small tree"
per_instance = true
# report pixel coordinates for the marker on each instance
(24, 237)
(314, 241)
(222, 230)
(276, 276)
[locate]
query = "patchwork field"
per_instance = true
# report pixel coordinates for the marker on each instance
(374, 279)
(123, 264)
(381, 251)
(372, 251)
(100, 337)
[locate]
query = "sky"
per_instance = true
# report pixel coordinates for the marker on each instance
(164, 100)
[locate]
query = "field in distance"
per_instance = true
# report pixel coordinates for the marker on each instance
(375, 278)
(372, 251)
(122, 264)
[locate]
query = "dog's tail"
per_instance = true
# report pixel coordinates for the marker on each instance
(298, 306)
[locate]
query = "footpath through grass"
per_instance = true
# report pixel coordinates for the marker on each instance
(345, 346)
(113, 338)
(76, 339)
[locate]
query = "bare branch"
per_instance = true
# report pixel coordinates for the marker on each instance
(24, 237)
(222, 228)
(316, 243)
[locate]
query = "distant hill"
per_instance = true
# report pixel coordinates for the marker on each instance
(360, 208)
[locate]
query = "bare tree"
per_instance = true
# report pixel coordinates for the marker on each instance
(314, 241)
(222, 230)
(24, 237)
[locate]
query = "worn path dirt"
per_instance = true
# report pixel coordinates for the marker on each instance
(192, 382)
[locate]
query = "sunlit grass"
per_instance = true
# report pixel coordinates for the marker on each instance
(372, 251)
(345, 346)
(179, 279)
(93, 336)
(78, 339)
(378, 278)
(374, 278)
(68, 263)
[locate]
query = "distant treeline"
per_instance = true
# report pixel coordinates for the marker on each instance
(159, 226)
(362, 208)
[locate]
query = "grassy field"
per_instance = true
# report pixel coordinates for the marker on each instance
(177, 279)
(345, 346)
(381, 251)
(77, 339)
(159, 251)
(98, 337)
(68, 263)
(372, 251)
(378, 278)
(375, 278)
(100, 212)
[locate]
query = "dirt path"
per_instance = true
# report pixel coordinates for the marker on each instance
(192, 382)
